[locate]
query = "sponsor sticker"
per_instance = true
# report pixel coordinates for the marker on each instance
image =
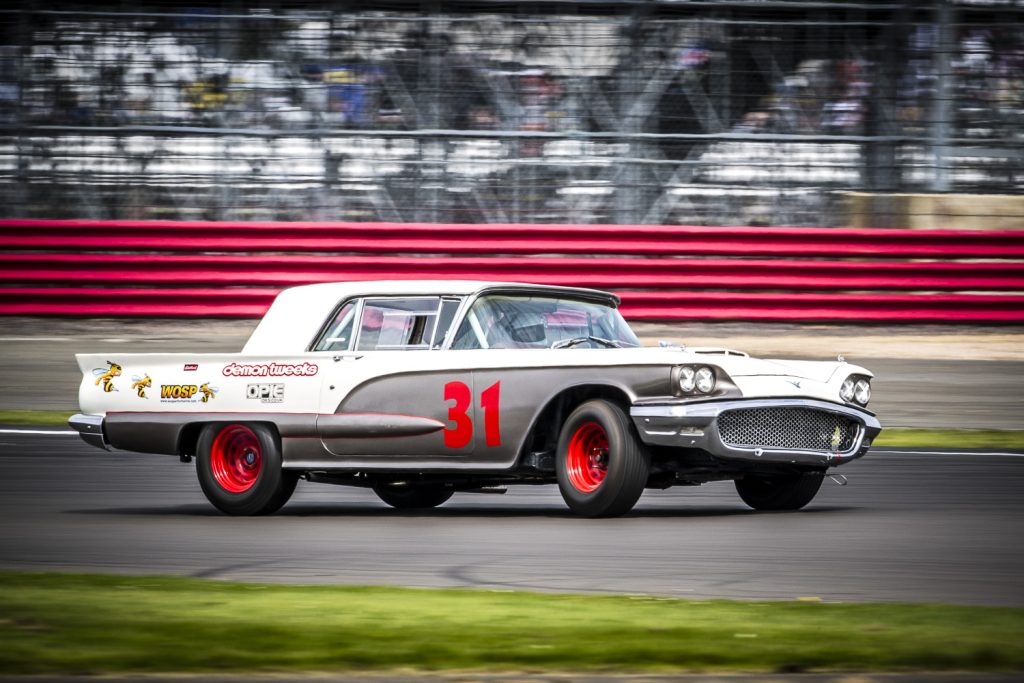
(265, 393)
(191, 367)
(140, 384)
(188, 393)
(105, 376)
(271, 370)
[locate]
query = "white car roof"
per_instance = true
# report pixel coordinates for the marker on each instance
(297, 313)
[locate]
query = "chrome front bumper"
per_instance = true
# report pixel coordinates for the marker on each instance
(695, 425)
(90, 428)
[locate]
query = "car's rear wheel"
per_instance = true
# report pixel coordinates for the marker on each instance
(239, 469)
(413, 496)
(779, 492)
(601, 466)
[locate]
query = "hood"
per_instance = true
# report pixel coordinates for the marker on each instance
(819, 371)
(739, 364)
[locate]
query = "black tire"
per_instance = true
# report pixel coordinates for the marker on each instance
(779, 492)
(587, 490)
(258, 490)
(414, 496)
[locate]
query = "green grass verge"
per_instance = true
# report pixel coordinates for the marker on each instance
(950, 438)
(79, 624)
(35, 418)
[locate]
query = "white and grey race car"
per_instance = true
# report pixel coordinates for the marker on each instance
(422, 389)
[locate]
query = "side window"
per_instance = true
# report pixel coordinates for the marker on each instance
(449, 307)
(338, 336)
(497, 322)
(537, 322)
(404, 323)
(471, 334)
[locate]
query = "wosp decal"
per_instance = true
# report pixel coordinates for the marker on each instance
(178, 391)
(271, 370)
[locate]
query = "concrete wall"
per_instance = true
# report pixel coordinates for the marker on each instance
(931, 211)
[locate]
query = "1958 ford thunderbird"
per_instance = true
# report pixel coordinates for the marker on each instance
(419, 390)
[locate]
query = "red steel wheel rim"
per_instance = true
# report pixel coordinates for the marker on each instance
(587, 460)
(236, 458)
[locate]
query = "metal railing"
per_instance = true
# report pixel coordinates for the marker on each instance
(672, 273)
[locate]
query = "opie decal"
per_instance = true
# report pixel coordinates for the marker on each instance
(265, 393)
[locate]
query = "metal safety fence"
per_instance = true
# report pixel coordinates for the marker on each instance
(670, 273)
(693, 113)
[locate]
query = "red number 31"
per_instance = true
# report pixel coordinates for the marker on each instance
(462, 433)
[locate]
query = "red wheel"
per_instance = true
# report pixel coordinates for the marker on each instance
(239, 468)
(600, 465)
(587, 459)
(236, 458)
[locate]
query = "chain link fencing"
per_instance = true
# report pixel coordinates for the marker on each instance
(700, 113)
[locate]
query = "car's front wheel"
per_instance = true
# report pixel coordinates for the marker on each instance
(601, 466)
(779, 492)
(412, 496)
(239, 468)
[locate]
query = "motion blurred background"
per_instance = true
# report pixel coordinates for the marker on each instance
(734, 112)
(793, 178)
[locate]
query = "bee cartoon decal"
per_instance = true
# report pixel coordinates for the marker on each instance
(105, 376)
(140, 384)
(208, 392)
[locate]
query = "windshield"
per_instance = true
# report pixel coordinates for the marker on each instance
(503, 321)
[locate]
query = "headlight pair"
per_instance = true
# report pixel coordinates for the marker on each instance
(699, 378)
(856, 389)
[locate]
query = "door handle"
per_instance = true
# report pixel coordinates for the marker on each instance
(347, 356)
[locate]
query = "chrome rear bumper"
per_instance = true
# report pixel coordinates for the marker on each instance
(90, 428)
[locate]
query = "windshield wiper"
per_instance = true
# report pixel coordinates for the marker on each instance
(566, 343)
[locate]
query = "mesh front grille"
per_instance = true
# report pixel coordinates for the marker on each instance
(788, 428)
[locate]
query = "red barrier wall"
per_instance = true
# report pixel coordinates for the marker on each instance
(160, 268)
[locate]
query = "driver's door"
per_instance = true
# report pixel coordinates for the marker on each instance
(392, 396)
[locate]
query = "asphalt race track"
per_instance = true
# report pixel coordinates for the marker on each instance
(910, 526)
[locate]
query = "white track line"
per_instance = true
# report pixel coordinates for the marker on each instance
(880, 451)
(38, 431)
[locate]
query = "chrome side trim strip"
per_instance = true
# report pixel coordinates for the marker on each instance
(370, 425)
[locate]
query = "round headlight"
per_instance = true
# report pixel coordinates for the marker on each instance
(862, 392)
(705, 380)
(846, 391)
(687, 379)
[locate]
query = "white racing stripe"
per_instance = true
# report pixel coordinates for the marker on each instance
(54, 432)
